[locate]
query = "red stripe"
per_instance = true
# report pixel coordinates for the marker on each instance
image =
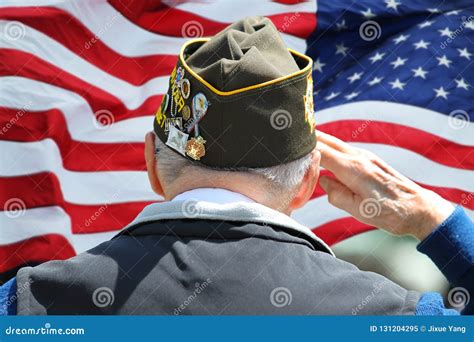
(35, 250)
(81, 41)
(43, 189)
(340, 229)
(29, 66)
(428, 145)
(159, 18)
(76, 156)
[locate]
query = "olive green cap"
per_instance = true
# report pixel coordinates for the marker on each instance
(240, 99)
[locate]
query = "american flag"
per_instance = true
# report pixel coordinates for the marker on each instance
(80, 81)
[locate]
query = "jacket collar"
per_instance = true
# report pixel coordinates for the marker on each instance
(231, 212)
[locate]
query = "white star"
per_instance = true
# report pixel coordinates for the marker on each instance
(443, 61)
(461, 84)
(470, 25)
(331, 96)
(421, 45)
(392, 4)
(352, 95)
(375, 80)
(419, 72)
(401, 38)
(465, 53)
(368, 14)
(356, 76)
(446, 32)
(425, 24)
(341, 49)
(453, 13)
(433, 10)
(397, 84)
(398, 62)
(317, 65)
(377, 57)
(441, 93)
(341, 26)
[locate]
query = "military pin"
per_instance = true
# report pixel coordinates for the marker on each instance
(195, 148)
(164, 103)
(186, 113)
(185, 88)
(177, 140)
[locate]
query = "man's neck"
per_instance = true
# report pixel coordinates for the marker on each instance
(213, 195)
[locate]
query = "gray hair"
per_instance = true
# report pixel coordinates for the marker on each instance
(285, 177)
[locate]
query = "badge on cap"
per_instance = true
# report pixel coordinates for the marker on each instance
(195, 148)
(200, 106)
(185, 88)
(176, 122)
(186, 113)
(308, 103)
(177, 140)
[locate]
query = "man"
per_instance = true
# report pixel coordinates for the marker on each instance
(233, 153)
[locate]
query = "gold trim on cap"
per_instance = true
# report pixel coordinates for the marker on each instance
(255, 86)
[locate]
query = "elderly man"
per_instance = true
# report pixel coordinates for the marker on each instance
(233, 153)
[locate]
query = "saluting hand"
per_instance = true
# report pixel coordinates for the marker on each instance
(375, 193)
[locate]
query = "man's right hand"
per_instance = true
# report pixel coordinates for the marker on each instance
(375, 193)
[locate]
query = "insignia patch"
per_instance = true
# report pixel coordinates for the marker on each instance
(186, 113)
(177, 140)
(185, 88)
(195, 148)
(308, 103)
(164, 103)
(176, 122)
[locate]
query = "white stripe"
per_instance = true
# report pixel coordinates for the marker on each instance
(40, 45)
(402, 114)
(104, 21)
(77, 187)
(226, 11)
(28, 95)
(319, 211)
(421, 169)
(47, 220)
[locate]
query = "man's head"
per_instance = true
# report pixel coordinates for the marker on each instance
(238, 115)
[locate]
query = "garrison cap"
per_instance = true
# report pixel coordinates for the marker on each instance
(240, 99)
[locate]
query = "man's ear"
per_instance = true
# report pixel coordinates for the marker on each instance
(151, 164)
(308, 184)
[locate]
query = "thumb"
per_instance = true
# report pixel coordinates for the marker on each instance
(339, 195)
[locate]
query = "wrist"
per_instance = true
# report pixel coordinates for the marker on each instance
(436, 211)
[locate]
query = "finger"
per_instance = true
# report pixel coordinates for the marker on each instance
(338, 194)
(335, 143)
(336, 162)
